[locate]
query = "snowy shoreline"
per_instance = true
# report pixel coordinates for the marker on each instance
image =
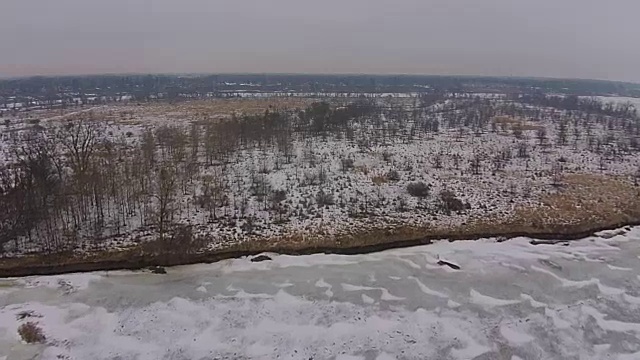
(509, 300)
(383, 174)
(52, 265)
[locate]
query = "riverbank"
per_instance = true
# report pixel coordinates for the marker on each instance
(508, 300)
(131, 260)
(586, 205)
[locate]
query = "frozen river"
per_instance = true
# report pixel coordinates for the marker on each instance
(510, 300)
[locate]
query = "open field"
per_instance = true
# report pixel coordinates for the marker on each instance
(205, 177)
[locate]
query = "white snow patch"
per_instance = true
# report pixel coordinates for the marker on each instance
(367, 300)
(349, 357)
(410, 263)
(634, 356)
(604, 289)
(515, 337)
(349, 287)
(385, 356)
(425, 289)
(386, 295)
(558, 321)
(66, 282)
(452, 304)
(470, 352)
(479, 299)
(323, 284)
(531, 300)
(619, 268)
(610, 325)
(281, 261)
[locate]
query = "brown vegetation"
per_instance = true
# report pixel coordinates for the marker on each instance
(31, 333)
(203, 110)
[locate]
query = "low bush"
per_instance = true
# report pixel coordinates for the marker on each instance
(449, 202)
(324, 199)
(419, 189)
(393, 175)
(31, 333)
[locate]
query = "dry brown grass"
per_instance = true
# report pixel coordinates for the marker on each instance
(505, 120)
(584, 201)
(379, 180)
(31, 333)
(204, 110)
(513, 123)
(359, 238)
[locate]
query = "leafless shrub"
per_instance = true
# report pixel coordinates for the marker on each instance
(436, 161)
(402, 204)
(556, 174)
(393, 175)
(347, 164)
(379, 180)
(249, 225)
(523, 149)
(449, 202)
(324, 199)
(419, 189)
(517, 131)
(278, 196)
(315, 178)
(476, 164)
(260, 186)
(31, 333)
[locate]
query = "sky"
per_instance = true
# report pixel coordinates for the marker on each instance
(542, 38)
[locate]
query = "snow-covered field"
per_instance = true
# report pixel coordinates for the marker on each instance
(510, 300)
(293, 183)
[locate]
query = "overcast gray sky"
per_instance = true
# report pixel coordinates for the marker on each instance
(553, 38)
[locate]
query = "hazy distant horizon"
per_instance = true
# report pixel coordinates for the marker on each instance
(571, 39)
(2, 77)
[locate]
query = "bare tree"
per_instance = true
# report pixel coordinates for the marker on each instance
(557, 173)
(541, 134)
(165, 198)
(476, 164)
(562, 133)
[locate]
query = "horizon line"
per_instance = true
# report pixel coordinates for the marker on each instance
(203, 74)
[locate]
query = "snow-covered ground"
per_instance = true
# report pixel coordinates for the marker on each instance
(510, 300)
(295, 185)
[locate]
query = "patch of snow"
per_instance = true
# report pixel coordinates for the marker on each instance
(367, 300)
(425, 289)
(515, 337)
(484, 300)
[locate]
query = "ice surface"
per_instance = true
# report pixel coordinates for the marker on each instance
(485, 300)
(379, 307)
(427, 290)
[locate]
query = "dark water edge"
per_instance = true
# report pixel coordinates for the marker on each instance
(51, 264)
